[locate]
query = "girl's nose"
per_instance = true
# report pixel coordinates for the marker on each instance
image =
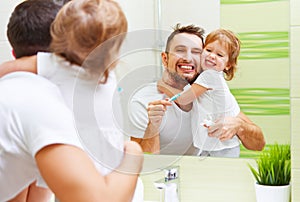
(211, 55)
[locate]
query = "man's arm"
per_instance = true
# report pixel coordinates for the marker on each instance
(27, 64)
(151, 142)
(72, 176)
(249, 133)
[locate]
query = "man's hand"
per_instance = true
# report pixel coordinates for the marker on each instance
(151, 142)
(156, 111)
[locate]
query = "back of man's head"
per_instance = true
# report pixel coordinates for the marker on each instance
(28, 30)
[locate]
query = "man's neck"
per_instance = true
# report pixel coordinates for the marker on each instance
(175, 81)
(179, 83)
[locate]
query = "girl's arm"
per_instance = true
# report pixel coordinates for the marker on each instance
(27, 64)
(72, 176)
(167, 89)
(186, 97)
(191, 94)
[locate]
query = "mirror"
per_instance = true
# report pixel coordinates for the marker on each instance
(261, 83)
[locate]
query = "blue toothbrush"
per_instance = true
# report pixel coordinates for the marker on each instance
(174, 97)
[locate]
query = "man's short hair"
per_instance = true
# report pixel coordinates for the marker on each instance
(189, 29)
(28, 30)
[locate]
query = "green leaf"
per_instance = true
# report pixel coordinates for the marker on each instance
(273, 166)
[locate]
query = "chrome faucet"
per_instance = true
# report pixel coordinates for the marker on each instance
(169, 185)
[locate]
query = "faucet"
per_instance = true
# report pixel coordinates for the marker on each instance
(169, 185)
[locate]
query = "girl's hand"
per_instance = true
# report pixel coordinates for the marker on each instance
(225, 128)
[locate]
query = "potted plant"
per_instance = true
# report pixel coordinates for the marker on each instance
(273, 174)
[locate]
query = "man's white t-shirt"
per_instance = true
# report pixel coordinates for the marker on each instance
(175, 130)
(33, 115)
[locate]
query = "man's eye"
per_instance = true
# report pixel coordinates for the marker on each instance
(196, 52)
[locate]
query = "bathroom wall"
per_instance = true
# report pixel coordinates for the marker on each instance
(273, 23)
(274, 69)
(262, 81)
(6, 7)
(295, 96)
(160, 16)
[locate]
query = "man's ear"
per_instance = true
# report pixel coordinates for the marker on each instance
(13, 53)
(164, 59)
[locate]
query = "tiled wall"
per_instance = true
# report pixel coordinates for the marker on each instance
(272, 18)
(295, 97)
(262, 81)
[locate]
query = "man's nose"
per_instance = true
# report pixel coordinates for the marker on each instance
(187, 56)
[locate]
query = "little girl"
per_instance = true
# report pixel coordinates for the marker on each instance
(214, 99)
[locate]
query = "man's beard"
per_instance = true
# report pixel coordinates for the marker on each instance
(180, 79)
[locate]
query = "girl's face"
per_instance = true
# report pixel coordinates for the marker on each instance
(214, 56)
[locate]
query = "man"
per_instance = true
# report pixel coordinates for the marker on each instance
(38, 135)
(28, 32)
(163, 127)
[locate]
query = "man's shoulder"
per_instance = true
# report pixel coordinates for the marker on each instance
(26, 78)
(26, 84)
(148, 92)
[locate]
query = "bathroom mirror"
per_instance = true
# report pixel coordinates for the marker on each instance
(261, 83)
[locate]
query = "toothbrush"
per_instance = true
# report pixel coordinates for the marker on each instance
(174, 97)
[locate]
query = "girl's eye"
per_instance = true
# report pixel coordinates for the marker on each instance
(220, 55)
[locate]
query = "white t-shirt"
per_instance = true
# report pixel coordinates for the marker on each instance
(32, 115)
(97, 111)
(175, 131)
(213, 104)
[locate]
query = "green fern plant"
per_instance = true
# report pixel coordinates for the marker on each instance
(273, 166)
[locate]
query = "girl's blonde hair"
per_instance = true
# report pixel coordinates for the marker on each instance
(232, 43)
(82, 26)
